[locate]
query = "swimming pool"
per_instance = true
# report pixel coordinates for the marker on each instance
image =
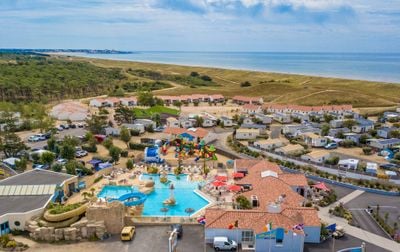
(184, 195)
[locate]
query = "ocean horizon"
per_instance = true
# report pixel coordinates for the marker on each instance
(382, 67)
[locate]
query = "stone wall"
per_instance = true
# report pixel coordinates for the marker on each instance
(111, 213)
(82, 229)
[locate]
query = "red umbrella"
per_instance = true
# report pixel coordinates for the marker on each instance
(234, 188)
(322, 186)
(218, 183)
(238, 175)
(221, 178)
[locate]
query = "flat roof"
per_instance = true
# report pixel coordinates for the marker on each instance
(36, 177)
(21, 204)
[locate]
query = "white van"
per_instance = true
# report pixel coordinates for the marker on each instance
(223, 243)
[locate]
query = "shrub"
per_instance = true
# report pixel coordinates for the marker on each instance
(92, 148)
(11, 244)
(98, 179)
(124, 153)
(129, 164)
(59, 209)
(138, 146)
(135, 132)
(367, 150)
(152, 170)
(245, 84)
(108, 142)
(56, 167)
(243, 202)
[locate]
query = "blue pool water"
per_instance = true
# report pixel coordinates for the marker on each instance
(184, 195)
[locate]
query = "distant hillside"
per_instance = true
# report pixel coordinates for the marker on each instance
(37, 77)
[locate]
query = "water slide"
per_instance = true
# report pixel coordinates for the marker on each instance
(132, 199)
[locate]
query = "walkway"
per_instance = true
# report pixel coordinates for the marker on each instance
(369, 237)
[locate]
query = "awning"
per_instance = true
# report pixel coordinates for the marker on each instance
(238, 175)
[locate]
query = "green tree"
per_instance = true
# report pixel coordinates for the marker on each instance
(177, 104)
(68, 151)
(328, 118)
(47, 157)
(325, 129)
(108, 142)
(156, 117)
(367, 150)
(56, 167)
(71, 140)
(125, 135)
(349, 123)
(70, 167)
(11, 144)
(114, 153)
(129, 164)
(96, 124)
(21, 164)
(395, 134)
(124, 114)
(194, 74)
(199, 121)
(146, 99)
(243, 202)
(52, 143)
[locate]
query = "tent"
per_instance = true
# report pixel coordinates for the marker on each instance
(321, 186)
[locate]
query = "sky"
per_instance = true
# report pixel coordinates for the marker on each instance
(203, 25)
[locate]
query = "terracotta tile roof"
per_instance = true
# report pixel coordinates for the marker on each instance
(196, 132)
(325, 108)
(247, 219)
(251, 107)
(246, 98)
(268, 190)
(294, 179)
(306, 215)
(254, 166)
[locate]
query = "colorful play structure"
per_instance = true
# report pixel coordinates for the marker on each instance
(387, 153)
(152, 155)
(132, 199)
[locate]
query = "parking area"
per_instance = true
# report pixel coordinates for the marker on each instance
(346, 241)
(60, 135)
(147, 238)
(387, 204)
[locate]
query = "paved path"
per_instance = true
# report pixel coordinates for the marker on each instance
(359, 233)
(351, 196)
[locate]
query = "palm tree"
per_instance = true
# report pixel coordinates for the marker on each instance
(85, 195)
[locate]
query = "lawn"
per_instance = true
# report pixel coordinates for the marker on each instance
(273, 87)
(146, 113)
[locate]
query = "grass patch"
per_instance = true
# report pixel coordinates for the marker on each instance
(147, 113)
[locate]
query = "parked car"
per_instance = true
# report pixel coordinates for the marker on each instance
(59, 128)
(33, 138)
(64, 126)
(178, 228)
(127, 233)
(223, 243)
(47, 135)
(41, 166)
(388, 166)
(61, 161)
(72, 126)
(41, 137)
(81, 153)
(331, 146)
(159, 129)
(80, 125)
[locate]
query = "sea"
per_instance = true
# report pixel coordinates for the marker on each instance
(383, 67)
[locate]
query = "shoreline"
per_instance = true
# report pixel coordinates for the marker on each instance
(224, 67)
